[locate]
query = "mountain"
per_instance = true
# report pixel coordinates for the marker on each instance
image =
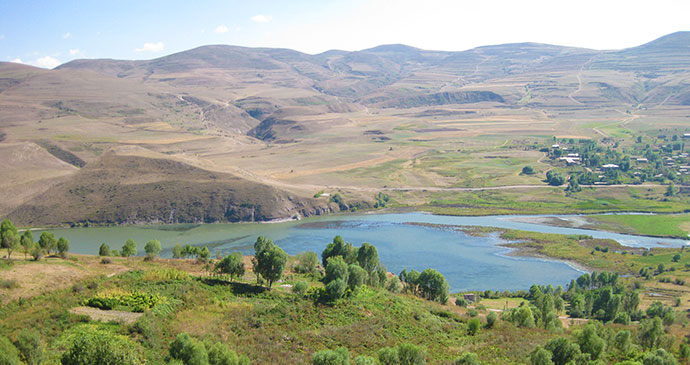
(266, 116)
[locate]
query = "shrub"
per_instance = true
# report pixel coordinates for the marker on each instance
(339, 356)
(461, 302)
(8, 353)
(93, 346)
(189, 350)
(394, 285)
(106, 261)
(410, 354)
(306, 262)
(467, 358)
(104, 250)
(491, 320)
(473, 326)
(365, 360)
(8, 284)
(300, 287)
(388, 356)
(335, 289)
(30, 346)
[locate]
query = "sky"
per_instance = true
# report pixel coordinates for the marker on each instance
(49, 33)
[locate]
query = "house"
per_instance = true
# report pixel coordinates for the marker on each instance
(686, 135)
(641, 159)
(610, 166)
(555, 146)
(470, 298)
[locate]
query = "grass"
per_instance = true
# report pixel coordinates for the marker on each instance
(554, 200)
(650, 225)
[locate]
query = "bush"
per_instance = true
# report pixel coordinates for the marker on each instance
(306, 262)
(30, 346)
(365, 360)
(8, 284)
(491, 320)
(335, 289)
(330, 357)
(190, 351)
(473, 326)
(410, 354)
(93, 346)
(388, 356)
(467, 358)
(528, 170)
(394, 285)
(104, 250)
(300, 287)
(461, 302)
(8, 353)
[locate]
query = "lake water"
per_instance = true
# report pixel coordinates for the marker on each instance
(468, 263)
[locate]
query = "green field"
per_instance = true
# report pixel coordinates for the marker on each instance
(650, 225)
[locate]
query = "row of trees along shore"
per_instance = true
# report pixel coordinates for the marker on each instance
(600, 299)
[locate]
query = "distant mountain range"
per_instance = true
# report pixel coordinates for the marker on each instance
(89, 106)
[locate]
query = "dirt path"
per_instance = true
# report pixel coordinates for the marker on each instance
(107, 316)
(579, 81)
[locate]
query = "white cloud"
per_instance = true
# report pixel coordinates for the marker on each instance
(260, 18)
(17, 60)
(221, 29)
(2, 36)
(74, 51)
(66, 35)
(47, 62)
(151, 47)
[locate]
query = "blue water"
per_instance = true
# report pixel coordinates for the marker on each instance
(468, 263)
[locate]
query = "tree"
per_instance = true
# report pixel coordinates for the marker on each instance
(189, 350)
(9, 236)
(590, 342)
(394, 285)
(330, 357)
(541, 356)
(410, 354)
(473, 326)
(104, 250)
(30, 346)
(528, 170)
(573, 185)
(306, 262)
(62, 246)
(339, 248)
(554, 178)
(622, 342)
(129, 248)
(367, 257)
(8, 353)
(659, 357)
(671, 190)
(93, 346)
(562, 350)
(153, 248)
(204, 254)
(467, 358)
(231, 265)
(356, 277)
(649, 332)
(47, 242)
(178, 251)
(27, 242)
(270, 262)
(676, 257)
(336, 268)
(433, 286)
(335, 289)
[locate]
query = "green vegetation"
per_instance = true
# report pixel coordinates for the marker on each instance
(650, 225)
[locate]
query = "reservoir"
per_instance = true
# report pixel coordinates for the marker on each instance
(467, 262)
